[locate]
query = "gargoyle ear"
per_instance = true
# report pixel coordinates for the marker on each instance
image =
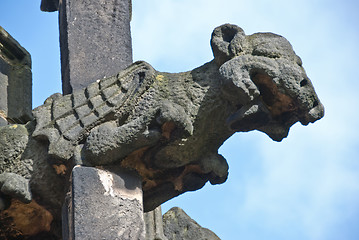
(237, 76)
(227, 42)
(236, 79)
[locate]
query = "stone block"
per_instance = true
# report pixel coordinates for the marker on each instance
(95, 40)
(104, 205)
(15, 81)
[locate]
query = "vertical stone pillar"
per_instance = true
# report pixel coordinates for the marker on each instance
(95, 40)
(15, 81)
(154, 225)
(104, 205)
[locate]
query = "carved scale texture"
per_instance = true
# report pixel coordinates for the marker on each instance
(66, 120)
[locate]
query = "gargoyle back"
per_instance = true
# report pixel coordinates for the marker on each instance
(65, 121)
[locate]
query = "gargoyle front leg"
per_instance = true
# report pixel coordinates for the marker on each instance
(108, 143)
(216, 166)
(15, 186)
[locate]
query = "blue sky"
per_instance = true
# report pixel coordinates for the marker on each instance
(305, 187)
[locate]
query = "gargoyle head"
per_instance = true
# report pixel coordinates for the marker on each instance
(265, 80)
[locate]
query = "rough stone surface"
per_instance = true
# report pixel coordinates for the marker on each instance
(15, 81)
(95, 40)
(16, 186)
(179, 226)
(154, 225)
(108, 205)
(28, 162)
(14, 139)
(166, 126)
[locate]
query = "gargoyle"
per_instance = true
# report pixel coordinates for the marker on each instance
(166, 126)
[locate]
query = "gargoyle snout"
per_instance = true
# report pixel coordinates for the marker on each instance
(311, 107)
(314, 114)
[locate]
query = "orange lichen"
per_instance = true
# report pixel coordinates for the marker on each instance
(26, 219)
(276, 101)
(60, 169)
(167, 129)
(133, 161)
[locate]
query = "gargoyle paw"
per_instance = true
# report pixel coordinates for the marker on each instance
(171, 112)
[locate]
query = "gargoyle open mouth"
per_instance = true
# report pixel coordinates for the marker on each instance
(279, 104)
(273, 112)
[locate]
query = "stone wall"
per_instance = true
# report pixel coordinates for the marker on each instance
(15, 81)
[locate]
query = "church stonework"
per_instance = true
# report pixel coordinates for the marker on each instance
(166, 127)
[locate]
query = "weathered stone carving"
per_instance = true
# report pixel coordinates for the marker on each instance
(166, 126)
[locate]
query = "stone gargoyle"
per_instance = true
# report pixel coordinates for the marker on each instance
(165, 126)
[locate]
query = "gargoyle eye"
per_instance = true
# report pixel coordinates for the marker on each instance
(303, 82)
